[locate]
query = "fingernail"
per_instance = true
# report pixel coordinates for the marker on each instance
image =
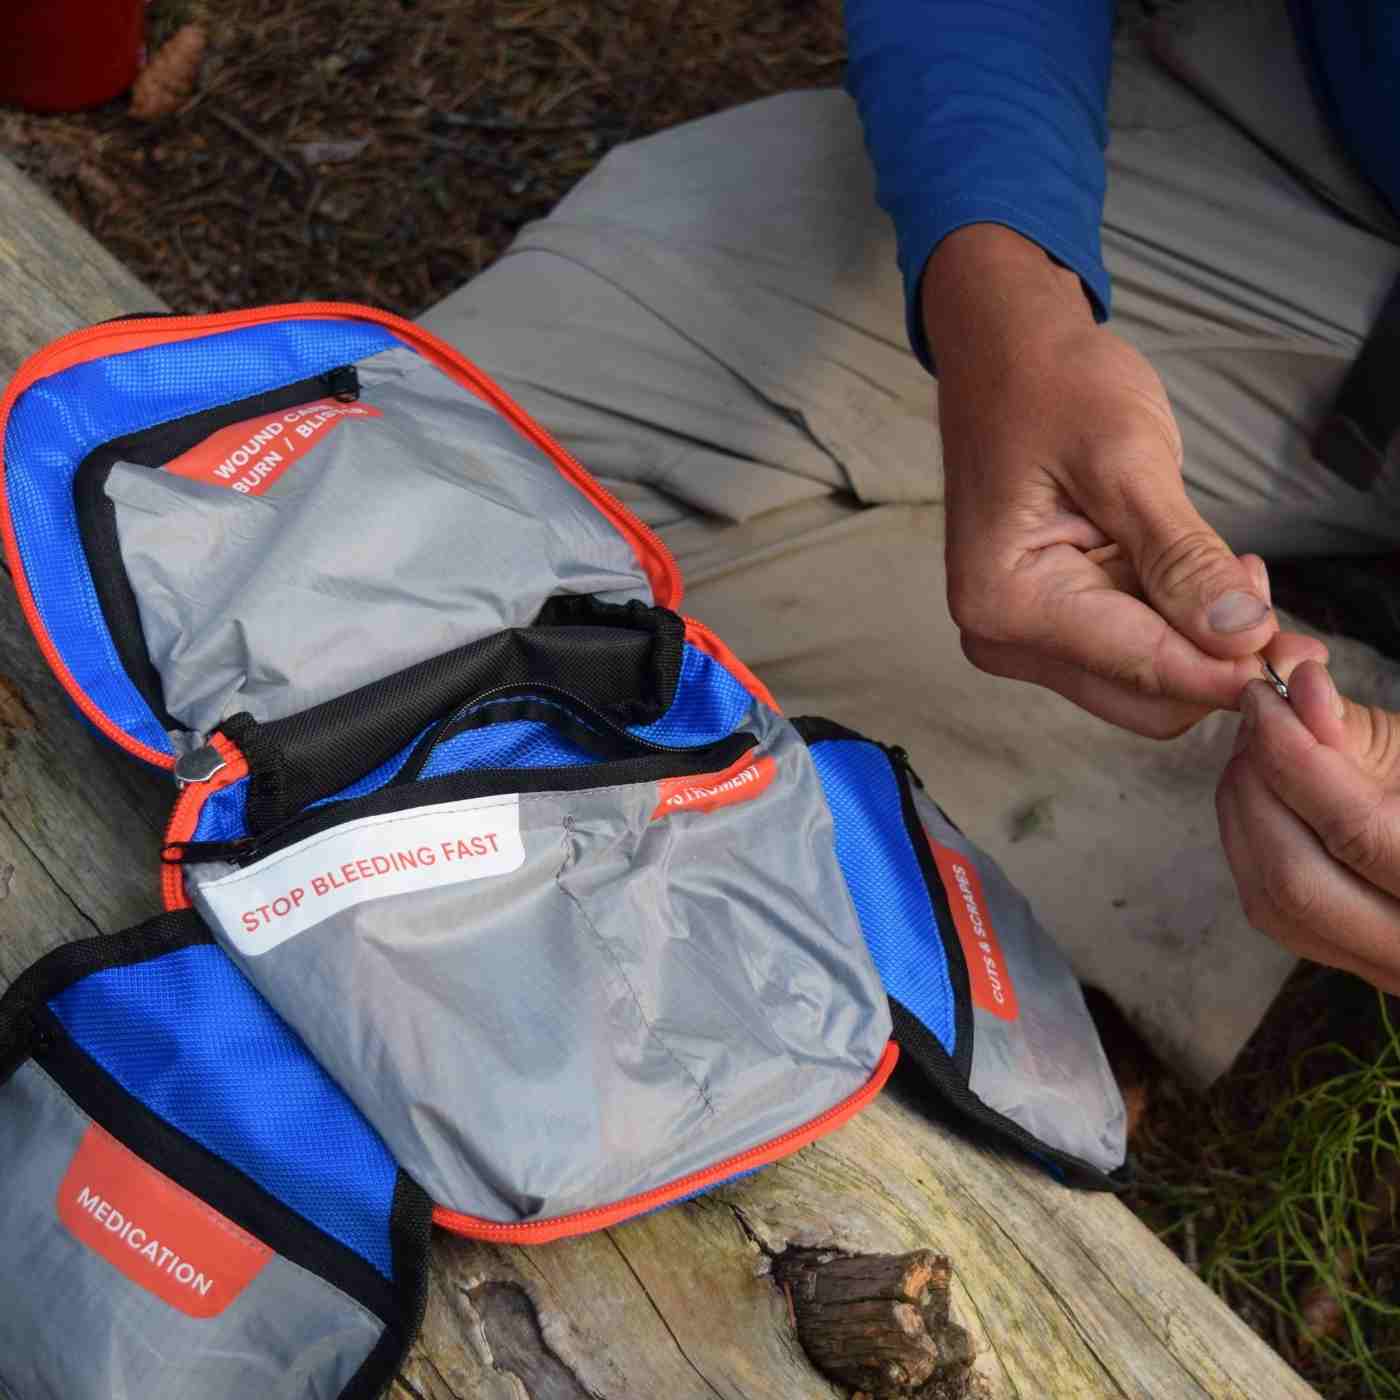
(1236, 612)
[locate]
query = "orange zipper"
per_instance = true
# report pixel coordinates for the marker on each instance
(118, 337)
(600, 1217)
(184, 819)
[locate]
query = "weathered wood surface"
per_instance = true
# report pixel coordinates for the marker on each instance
(1063, 1294)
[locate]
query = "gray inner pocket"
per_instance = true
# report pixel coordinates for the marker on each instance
(389, 540)
(72, 1325)
(608, 1000)
(1045, 1067)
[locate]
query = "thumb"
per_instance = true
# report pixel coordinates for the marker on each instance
(1365, 733)
(1192, 578)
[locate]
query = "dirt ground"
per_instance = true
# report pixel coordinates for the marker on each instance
(448, 124)
(386, 151)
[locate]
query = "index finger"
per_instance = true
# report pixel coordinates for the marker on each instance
(1082, 619)
(1354, 817)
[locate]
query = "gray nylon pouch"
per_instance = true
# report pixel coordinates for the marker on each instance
(990, 1019)
(550, 1001)
(142, 1265)
(345, 563)
(1043, 1067)
(75, 1324)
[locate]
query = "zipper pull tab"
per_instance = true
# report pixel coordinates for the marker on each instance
(343, 383)
(198, 766)
(200, 852)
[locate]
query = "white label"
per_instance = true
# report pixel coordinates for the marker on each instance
(373, 858)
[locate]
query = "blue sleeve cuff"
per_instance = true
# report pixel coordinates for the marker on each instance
(919, 238)
(986, 111)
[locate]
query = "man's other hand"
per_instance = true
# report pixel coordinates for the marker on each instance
(1309, 811)
(1075, 559)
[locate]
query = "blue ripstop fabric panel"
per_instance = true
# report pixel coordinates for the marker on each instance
(61, 419)
(709, 704)
(886, 881)
(376, 778)
(223, 816)
(188, 1036)
(522, 743)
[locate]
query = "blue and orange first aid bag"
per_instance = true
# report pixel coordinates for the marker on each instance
(498, 894)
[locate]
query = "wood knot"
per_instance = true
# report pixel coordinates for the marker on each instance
(878, 1323)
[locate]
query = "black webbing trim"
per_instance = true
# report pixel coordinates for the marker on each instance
(665, 658)
(815, 731)
(97, 529)
(468, 783)
(623, 659)
(1365, 419)
(958, 976)
(410, 1234)
(71, 962)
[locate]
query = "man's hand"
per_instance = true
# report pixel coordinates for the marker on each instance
(1309, 812)
(1075, 559)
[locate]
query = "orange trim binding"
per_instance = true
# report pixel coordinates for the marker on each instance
(184, 819)
(600, 1217)
(700, 636)
(121, 337)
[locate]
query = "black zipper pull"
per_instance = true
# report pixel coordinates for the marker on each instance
(198, 852)
(343, 383)
(900, 755)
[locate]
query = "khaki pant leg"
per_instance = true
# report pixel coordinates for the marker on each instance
(712, 321)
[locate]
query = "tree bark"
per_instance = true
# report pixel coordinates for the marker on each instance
(878, 1322)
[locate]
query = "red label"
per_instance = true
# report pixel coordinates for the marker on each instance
(986, 968)
(156, 1233)
(739, 782)
(248, 457)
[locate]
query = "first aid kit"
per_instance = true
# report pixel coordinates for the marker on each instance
(498, 894)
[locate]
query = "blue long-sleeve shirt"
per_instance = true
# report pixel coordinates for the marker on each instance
(993, 111)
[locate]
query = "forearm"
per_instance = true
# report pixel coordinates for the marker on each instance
(978, 112)
(987, 289)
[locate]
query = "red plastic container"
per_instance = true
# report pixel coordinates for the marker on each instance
(59, 55)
